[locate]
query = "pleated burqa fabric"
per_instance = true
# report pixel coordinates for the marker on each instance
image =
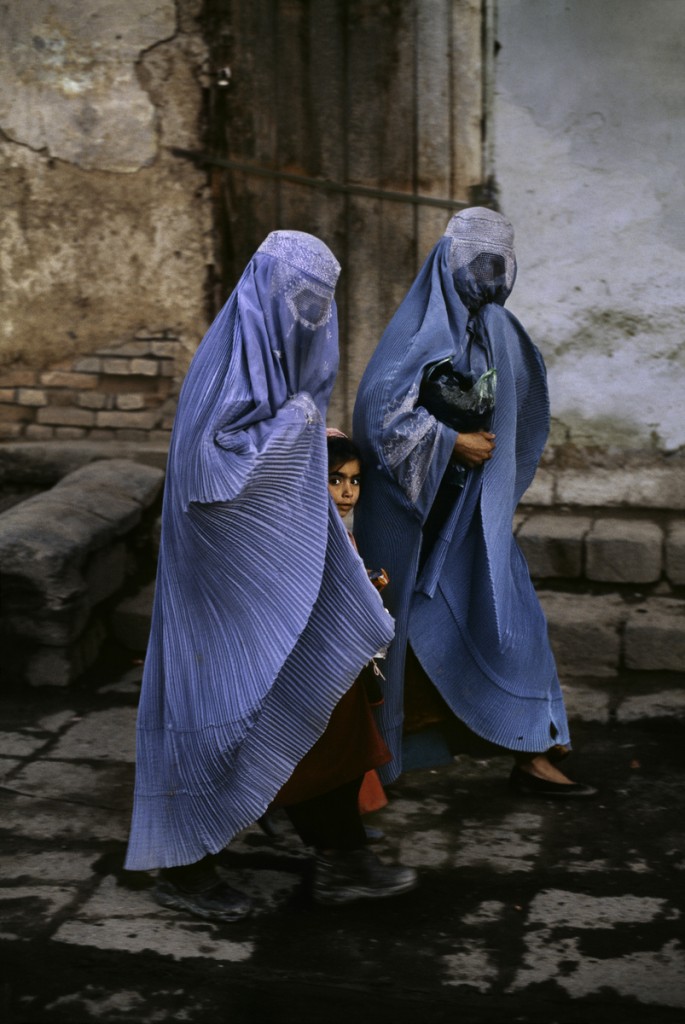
(471, 613)
(263, 613)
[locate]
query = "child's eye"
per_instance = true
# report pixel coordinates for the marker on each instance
(356, 481)
(334, 481)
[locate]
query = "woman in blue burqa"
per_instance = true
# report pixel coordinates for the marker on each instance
(263, 614)
(452, 416)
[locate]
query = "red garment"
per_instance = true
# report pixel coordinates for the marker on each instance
(371, 795)
(350, 746)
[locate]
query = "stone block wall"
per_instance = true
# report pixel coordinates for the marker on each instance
(608, 562)
(610, 581)
(611, 578)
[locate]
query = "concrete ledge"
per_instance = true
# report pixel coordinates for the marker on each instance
(642, 707)
(63, 552)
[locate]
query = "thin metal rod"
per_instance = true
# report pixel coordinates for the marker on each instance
(325, 184)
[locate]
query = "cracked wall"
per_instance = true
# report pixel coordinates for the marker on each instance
(590, 159)
(105, 236)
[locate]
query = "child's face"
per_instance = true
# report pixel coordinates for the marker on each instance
(344, 484)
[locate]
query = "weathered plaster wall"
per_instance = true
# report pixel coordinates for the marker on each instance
(104, 235)
(590, 158)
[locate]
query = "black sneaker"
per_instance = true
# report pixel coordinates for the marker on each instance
(218, 903)
(357, 875)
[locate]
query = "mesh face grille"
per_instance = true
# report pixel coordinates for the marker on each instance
(487, 268)
(312, 309)
(309, 307)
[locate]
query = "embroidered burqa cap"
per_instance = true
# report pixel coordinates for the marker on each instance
(471, 614)
(481, 256)
(263, 614)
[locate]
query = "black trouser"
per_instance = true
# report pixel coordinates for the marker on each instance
(332, 820)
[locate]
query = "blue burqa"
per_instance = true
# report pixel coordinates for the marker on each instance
(468, 607)
(263, 613)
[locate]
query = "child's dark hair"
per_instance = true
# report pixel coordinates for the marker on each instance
(340, 451)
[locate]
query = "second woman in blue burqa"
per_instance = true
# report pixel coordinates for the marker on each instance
(471, 642)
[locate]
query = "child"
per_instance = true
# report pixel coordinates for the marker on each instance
(344, 484)
(334, 784)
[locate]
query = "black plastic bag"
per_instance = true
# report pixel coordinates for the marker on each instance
(462, 402)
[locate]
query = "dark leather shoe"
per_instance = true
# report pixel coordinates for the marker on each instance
(524, 784)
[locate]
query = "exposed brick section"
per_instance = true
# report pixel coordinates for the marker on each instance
(163, 349)
(36, 432)
(70, 433)
(70, 417)
(130, 402)
(145, 367)
(139, 436)
(19, 378)
(121, 384)
(118, 367)
(123, 393)
(32, 396)
(624, 551)
(89, 365)
(61, 379)
(126, 420)
(14, 414)
(101, 434)
(130, 349)
(10, 431)
(94, 400)
(64, 397)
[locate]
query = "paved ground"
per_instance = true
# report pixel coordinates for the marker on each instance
(527, 910)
